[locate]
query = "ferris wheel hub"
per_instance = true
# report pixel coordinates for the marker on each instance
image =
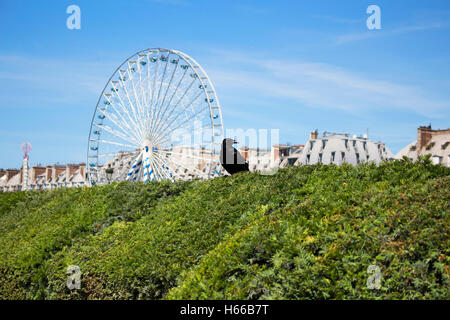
(146, 145)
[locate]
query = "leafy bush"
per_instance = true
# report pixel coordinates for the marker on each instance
(305, 233)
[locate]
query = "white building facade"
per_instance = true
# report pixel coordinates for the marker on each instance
(337, 149)
(435, 143)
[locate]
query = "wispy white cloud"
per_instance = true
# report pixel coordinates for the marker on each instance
(311, 84)
(350, 37)
(50, 80)
(320, 85)
(337, 19)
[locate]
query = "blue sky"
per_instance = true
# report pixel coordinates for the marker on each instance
(292, 65)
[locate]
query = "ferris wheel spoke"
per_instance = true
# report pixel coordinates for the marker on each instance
(156, 169)
(138, 128)
(168, 172)
(162, 130)
(117, 134)
(143, 95)
(165, 163)
(187, 155)
(147, 93)
(171, 98)
(158, 123)
(115, 154)
(161, 81)
(114, 143)
(178, 85)
(168, 86)
(166, 139)
(176, 105)
(133, 118)
(184, 93)
(185, 112)
(155, 77)
(190, 104)
(113, 118)
(174, 173)
(136, 111)
(192, 169)
(122, 120)
(140, 104)
(157, 105)
(165, 132)
(151, 170)
(160, 163)
(149, 114)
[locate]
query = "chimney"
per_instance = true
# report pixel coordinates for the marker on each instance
(48, 173)
(314, 135)
(424, 135)
(58, 169)
(70, 170)
(35, 171)
(2, 173)
(244, 152)
(83, 170)
(275, 152)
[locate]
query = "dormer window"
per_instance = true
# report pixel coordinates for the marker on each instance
(429, 146)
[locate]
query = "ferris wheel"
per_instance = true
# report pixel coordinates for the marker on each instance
(158, 117)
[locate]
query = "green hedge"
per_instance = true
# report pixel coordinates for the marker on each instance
(305, 233)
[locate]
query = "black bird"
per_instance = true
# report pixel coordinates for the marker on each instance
(230, 159)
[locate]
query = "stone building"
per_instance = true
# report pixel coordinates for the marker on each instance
(279, 155)
(339, 148)
(429, 142)
(289, 154)
(42, 178)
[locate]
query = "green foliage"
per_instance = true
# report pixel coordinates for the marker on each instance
(305, 233)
